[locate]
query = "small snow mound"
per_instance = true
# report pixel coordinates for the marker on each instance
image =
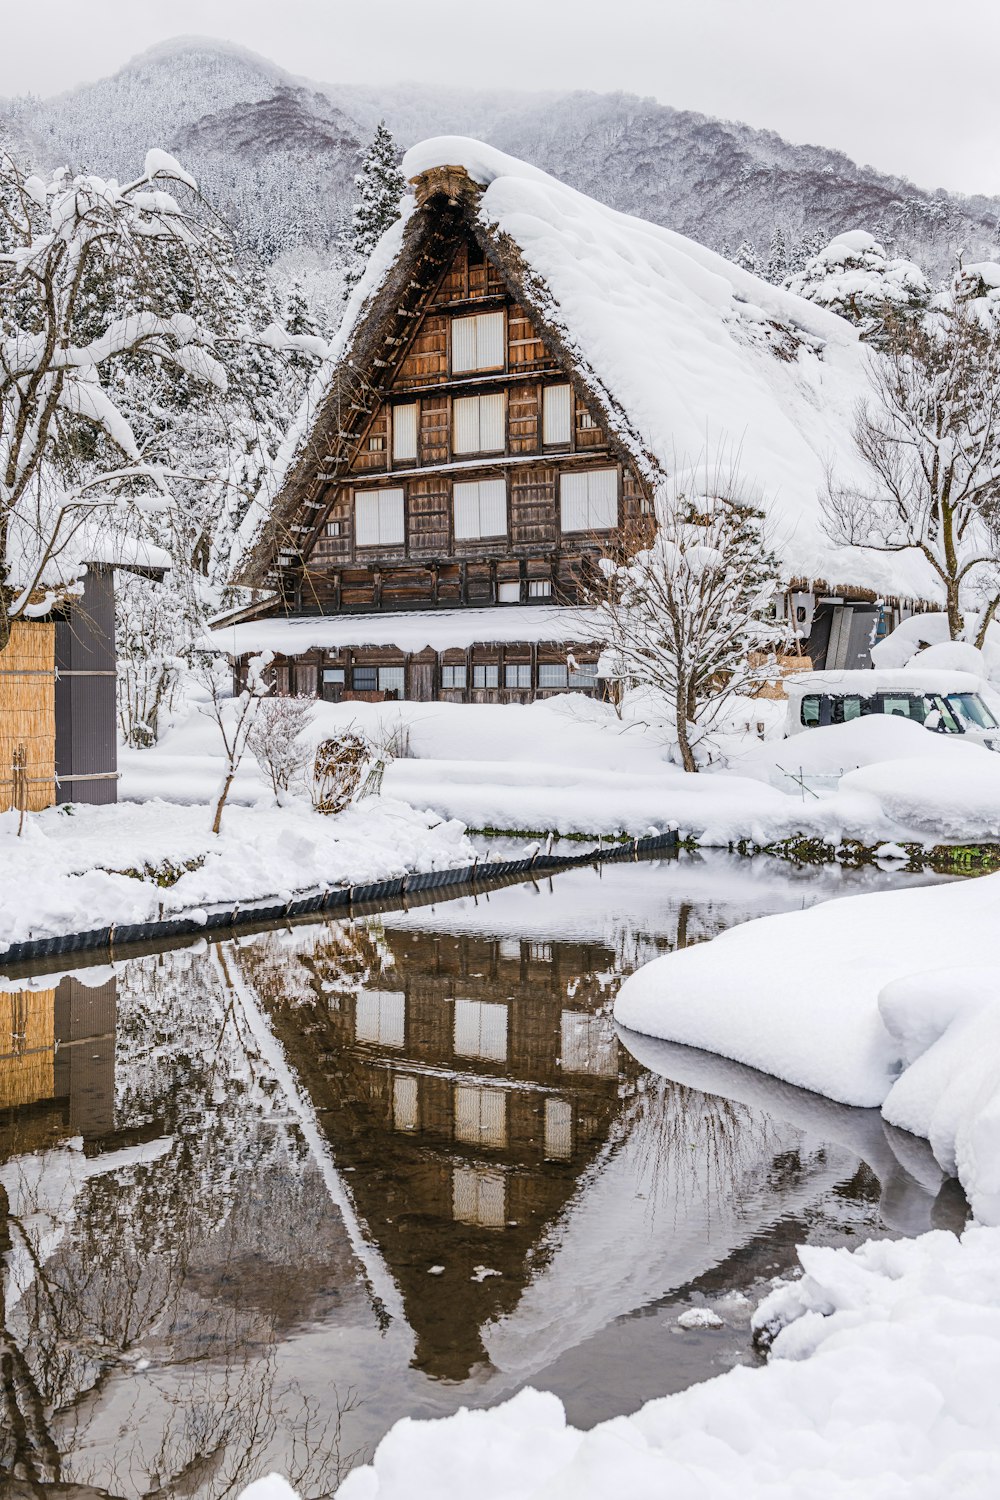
(949, 656)
(960, 793)
(890, 852)
(699, 1317)
(271, 1487)
(838, 748)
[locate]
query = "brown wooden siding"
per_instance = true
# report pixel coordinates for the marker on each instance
(533, 519)
(524, 418)
(429, 507)
(525, 350)
(434, 442)
(426, 361)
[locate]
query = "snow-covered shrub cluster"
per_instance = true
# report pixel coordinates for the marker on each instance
(854, 277)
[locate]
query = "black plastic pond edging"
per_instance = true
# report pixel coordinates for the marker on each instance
(483, 874)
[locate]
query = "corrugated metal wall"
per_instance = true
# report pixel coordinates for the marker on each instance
(86, 741)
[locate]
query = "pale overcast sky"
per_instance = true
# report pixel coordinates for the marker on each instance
(908, 85)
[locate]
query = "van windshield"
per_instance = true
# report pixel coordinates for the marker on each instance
(971, 709)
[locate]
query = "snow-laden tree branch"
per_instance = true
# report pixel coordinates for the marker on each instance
(687, 611)
(109, 296)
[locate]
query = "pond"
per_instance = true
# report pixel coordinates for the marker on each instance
(259, 1199)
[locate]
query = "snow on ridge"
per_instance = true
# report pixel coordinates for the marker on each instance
(708, 365)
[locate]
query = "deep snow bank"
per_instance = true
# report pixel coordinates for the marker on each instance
(897, 1397)
(890, 999)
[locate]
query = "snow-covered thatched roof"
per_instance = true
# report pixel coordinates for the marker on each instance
(701, 369)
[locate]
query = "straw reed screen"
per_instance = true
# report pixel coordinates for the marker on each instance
(27, 1047)
(28, 715)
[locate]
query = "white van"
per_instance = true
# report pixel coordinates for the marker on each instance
(946, 702)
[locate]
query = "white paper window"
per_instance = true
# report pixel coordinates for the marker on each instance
(551, 675)
(587, 1044)
(453, 677)
(378, 518)
(478, 424)
(510, 948)
(486, 676)
(380, 1016)
(477, 343)
(479, 1196)
(480, 1116)
(589, 501)
(540, 588)
(480, 509)
(517, 675)
(392, 680)
(556, 404)
(508, 593)
(558, 1129)
(405, 1103)
(481, 1030)
(404, 433)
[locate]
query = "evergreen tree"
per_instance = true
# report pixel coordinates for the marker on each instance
(777, 258)
(380, 185)
(853, 276)
(747, 257)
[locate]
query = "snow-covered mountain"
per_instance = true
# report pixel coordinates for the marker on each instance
(278, 154)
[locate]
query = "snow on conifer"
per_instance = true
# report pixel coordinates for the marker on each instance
(380, 185)
(853, 276)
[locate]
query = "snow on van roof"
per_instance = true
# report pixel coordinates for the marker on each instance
(899, 680)
(714, 368)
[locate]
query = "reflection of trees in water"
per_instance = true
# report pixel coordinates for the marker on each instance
(120, 1269)
(700, 1147)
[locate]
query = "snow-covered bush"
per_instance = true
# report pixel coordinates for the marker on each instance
(275, 739)
(853, 276)
(152, 629)
(687, 613)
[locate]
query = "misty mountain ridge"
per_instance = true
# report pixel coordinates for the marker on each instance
(278, 154)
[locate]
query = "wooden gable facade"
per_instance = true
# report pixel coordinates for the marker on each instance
(458, 462)
(456, 491)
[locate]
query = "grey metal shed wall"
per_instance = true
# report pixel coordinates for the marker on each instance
(86, 740)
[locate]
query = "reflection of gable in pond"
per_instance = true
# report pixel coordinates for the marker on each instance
(57, 1060)
(469, 1083)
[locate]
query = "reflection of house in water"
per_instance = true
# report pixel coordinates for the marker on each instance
(468, 1083)
(57, 1063)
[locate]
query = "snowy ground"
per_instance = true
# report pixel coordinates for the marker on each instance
(65, 873)
(569, 765)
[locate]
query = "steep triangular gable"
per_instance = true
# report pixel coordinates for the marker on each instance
(398, 343)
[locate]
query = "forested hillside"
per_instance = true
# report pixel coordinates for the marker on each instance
(278, 156)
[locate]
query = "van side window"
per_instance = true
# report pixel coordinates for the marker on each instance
(850, 708)
(810, 711)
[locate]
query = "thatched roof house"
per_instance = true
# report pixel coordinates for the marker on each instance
(498, 285)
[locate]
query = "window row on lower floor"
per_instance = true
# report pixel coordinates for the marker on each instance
(514, 675)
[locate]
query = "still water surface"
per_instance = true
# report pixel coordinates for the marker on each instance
(259, 1199)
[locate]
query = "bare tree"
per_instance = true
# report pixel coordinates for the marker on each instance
(929, 439)
(686, 611)
(233, 714)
